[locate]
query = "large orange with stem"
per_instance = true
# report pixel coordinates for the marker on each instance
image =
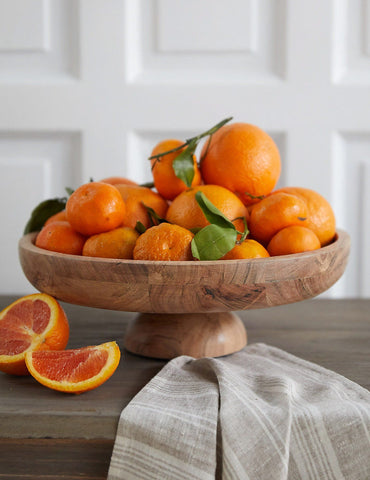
(95, 207)
(185, 211)
(33, 322)
(165, 180)
(242, 158)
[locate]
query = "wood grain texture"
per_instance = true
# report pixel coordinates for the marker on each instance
(184, 287)
(194, 334)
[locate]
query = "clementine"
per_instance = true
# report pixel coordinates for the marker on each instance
(185, 211)
(95, 207)
(275, 212)
(320, 215)
(117, 243)
(247, 249)
(164, 242)
(293, 239)
(165, 180)
(136, 199)
(59, 236)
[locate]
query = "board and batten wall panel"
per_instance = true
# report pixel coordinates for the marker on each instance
(88, 87)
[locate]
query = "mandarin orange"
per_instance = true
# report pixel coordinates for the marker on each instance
(95, 207)
(165, 180)
(166, 242)
(293, 239)
(185, 211)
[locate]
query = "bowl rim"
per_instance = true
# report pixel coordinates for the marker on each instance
(26, 242)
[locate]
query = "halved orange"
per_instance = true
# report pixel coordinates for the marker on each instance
(33, 322)
(76, 370)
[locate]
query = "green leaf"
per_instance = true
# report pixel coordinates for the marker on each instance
(154, 218)
(212, 213)
(213, 242)
(42, 212)
(69, 191)
(140, 228)
(183, 165)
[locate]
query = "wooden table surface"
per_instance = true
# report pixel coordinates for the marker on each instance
(51, 435)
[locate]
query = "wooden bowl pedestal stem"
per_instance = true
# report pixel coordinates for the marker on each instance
(198, 335)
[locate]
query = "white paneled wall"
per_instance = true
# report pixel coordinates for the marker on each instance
(87, 87)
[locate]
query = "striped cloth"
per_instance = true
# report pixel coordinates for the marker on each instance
(258, 414)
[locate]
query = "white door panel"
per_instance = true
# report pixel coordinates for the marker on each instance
(87, 87)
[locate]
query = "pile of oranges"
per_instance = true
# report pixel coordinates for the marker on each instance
(238, 169)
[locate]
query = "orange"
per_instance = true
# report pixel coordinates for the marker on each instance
(135, 197)
(117, 243)
(185, 211)
(116, 180)
(95, 207)
(60, 216)
(59, 236)
(242, 158)
(165, 180)
(164, 242)
(293, 239)
(247, 249)
(320, 215)
(33, 322)
(77, 370)
(277, 211)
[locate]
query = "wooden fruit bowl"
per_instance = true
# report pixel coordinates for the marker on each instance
(186, 306)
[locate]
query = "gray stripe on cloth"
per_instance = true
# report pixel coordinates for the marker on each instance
(259, 414)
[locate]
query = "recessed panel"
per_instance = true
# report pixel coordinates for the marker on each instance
(351, 45)
(213, 28)
(352, 205)
(38, 40)
(23, 25)
(205, 42)
(33, 167)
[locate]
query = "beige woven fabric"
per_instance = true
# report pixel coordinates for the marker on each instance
(258, 414)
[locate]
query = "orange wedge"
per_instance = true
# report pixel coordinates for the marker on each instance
(33, 322)
(77, 370)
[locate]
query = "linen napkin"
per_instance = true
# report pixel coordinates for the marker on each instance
(260, 414)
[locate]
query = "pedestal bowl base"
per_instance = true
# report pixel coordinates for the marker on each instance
(198, 335)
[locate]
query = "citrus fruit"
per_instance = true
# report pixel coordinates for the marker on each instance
(136, 198)
(76, 370)
(95, 207)
(242, 158)
(164, 242)
(116, 180)
(165, 180)
(33, 322)
(59, 236)
(277, 211)
(185, 211)
(247, 249)
(320, 215)
(117, 243)
(60, 216)
(293, 239)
